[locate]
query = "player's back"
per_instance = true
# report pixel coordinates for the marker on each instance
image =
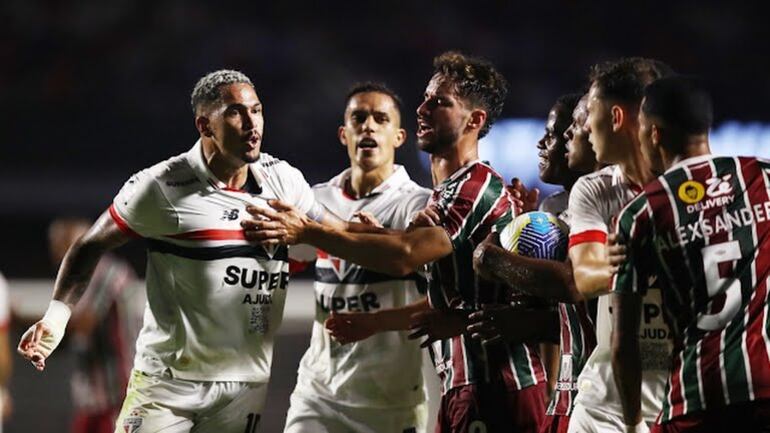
(708, 219)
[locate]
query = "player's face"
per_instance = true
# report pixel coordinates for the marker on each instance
(236, 124)
(441, 118)
(599, 123)
(552, 147)
(372, 130)
(580, 153)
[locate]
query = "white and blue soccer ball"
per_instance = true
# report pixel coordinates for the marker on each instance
(538, 235)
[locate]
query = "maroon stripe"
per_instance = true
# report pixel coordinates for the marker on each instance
(755, 342)
(462, 204)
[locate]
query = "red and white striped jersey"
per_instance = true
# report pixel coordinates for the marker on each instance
(214, 299)
(473, 202)
(594, 202)
(704, 228)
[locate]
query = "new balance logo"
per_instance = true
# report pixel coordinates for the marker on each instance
(230, 215)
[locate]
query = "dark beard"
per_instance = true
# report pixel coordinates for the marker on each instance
(441, 142)
(249, 159)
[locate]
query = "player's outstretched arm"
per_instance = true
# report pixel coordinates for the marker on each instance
(626, 357)
(548, 279)
(75, 272)
(395, 252)
(351, 327)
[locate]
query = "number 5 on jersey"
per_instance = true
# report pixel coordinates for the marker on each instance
(713, 255)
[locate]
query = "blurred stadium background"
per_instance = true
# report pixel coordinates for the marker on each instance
(93, 91)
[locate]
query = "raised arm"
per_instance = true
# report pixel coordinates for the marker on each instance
(547, 279)
(72, 280)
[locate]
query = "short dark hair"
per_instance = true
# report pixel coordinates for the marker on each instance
(681, 102)
(206, 90)
(475, 80)
(372, 86)
(569, 101)
(624, 80)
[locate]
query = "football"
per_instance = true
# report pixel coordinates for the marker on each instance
(536, 234)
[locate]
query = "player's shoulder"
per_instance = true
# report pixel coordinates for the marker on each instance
(271, 164)
(169, 172)
(599, 179)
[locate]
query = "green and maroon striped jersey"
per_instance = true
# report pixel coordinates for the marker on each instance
(473, 203)
(704, 229)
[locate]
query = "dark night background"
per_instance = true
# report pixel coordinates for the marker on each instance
(92, 91)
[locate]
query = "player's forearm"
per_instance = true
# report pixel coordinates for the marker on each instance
(626, 355)
(396, 254)
(547, 279)
(627, 369)
(76, 271)
(398, 319)
(5, 359)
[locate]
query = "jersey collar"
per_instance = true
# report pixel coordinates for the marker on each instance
(690, 161)
(204, 174)
(397, 178)
(460, 171)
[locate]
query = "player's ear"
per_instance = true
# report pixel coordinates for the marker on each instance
(341, 135)
(202, 125)
(655, 135)
(618, 117)
(477, 119)
(400, 137)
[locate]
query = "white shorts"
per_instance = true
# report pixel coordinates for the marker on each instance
(316, 415)
(164, 404)
(586, 419)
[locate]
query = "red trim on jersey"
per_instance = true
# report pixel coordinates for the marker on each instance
(588, 236)
(231, 189)
(322, 254)
(210, 235)
(121, 223)
(296, 266)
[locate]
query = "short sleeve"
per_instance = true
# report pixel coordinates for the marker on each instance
(300, 195)
(633, 228)
(141, 210)
(587, 223)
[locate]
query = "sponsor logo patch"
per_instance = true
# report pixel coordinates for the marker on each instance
(133, 421)
(691, 192)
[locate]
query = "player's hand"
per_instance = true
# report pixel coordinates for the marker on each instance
(367, 218)
(351, 327)
(489, 323)
(427, 217)
(616, 251)
(37, 343)
(436, 325)
(524, 200)
(481, 254)
(283, 224)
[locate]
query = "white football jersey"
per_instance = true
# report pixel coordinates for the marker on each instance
(383, 371)
(594, 203)
(214, 300)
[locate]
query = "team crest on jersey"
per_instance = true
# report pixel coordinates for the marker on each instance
(133, 421)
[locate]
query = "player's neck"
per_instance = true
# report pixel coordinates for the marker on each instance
(363, 182)
(636, 169)
(232, 173)
(696, 146)
(444, 164)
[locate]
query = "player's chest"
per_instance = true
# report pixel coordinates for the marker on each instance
(223, 210)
